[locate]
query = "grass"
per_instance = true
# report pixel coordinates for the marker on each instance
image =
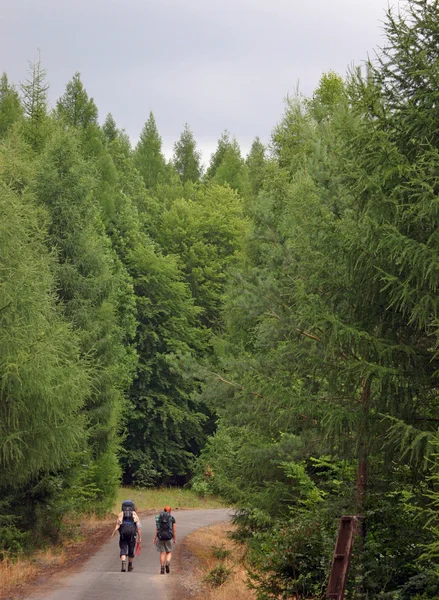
(156, 499)
(218, 577)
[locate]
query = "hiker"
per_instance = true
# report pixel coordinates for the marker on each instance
(165, 533)
(128, 524)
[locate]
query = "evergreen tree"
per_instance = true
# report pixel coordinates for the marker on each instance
(110, 128)
(228, 167)
(44, 382)
(75, 107)
(256, 164)
(34, 92)
(148, 156)
(218, 156)
(186, 158)
(10, 106)
(91, 284)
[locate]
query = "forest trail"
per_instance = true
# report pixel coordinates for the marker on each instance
(100, 577)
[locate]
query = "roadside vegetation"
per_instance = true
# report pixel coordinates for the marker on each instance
(217, 566)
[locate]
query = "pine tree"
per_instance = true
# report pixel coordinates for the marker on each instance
(45, 383)
(256, 163)
(75, 107)
(110, 128)
(91, 289)
(228, 167)
(218, 156)
(148, 156)
(186, 159)
(10, 106)
(35, 102)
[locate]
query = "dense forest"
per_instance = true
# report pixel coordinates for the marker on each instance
(265, 329)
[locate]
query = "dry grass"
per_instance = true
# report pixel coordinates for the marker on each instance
(16, 573)
(203, 544)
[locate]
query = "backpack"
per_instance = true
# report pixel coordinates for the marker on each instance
(164, 527)
(128, 528)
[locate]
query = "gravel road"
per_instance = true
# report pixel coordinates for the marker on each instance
(100, 577)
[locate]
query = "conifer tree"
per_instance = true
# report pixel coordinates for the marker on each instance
(44, 381)
(75, 107)
(228, 167)
(110, 128)
(186, 159)
(148, 156)
(10, 105)
(218, 156)
(256, 163)
(35, 102)
(91, 284)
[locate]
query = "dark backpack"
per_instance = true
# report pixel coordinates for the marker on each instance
(164, 527)
(128, 528)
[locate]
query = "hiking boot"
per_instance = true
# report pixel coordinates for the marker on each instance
(130, 566)
(123, 569)
(168, 568)
(162, 570)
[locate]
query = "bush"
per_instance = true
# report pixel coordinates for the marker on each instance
(218, 575)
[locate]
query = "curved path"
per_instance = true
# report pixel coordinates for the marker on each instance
(101, 578)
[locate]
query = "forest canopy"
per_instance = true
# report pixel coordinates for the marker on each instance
(264, 329)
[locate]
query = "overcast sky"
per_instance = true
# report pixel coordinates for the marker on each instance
(215, 64)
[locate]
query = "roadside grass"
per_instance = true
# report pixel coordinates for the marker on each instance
(156, 499)
(219, 572)
(15, 573)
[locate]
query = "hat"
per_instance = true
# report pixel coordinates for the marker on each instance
(167, 509)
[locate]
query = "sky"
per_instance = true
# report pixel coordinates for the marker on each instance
(214, 64)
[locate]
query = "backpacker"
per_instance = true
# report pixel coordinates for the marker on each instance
(164, 527)
(128, 528)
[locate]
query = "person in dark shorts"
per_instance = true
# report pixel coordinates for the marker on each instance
(165, 536)
(128, 524)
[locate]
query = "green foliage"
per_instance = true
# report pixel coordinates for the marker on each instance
(292, 558)
(218, 575)
(256, 164)
(228, 167)
(206, 233)
(148, 156)
(220, 552)
(165, 419)
(330, 343)
(330, 92)
(12, 540)
(35, 103)
(10, 106)
(44, 381)
(75, 108)
(186, 159)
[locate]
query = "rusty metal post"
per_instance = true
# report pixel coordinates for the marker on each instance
(342, 557)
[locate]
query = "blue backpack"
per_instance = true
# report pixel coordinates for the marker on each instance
(128, 528)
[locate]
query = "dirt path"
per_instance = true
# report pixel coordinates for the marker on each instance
(100, 578)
